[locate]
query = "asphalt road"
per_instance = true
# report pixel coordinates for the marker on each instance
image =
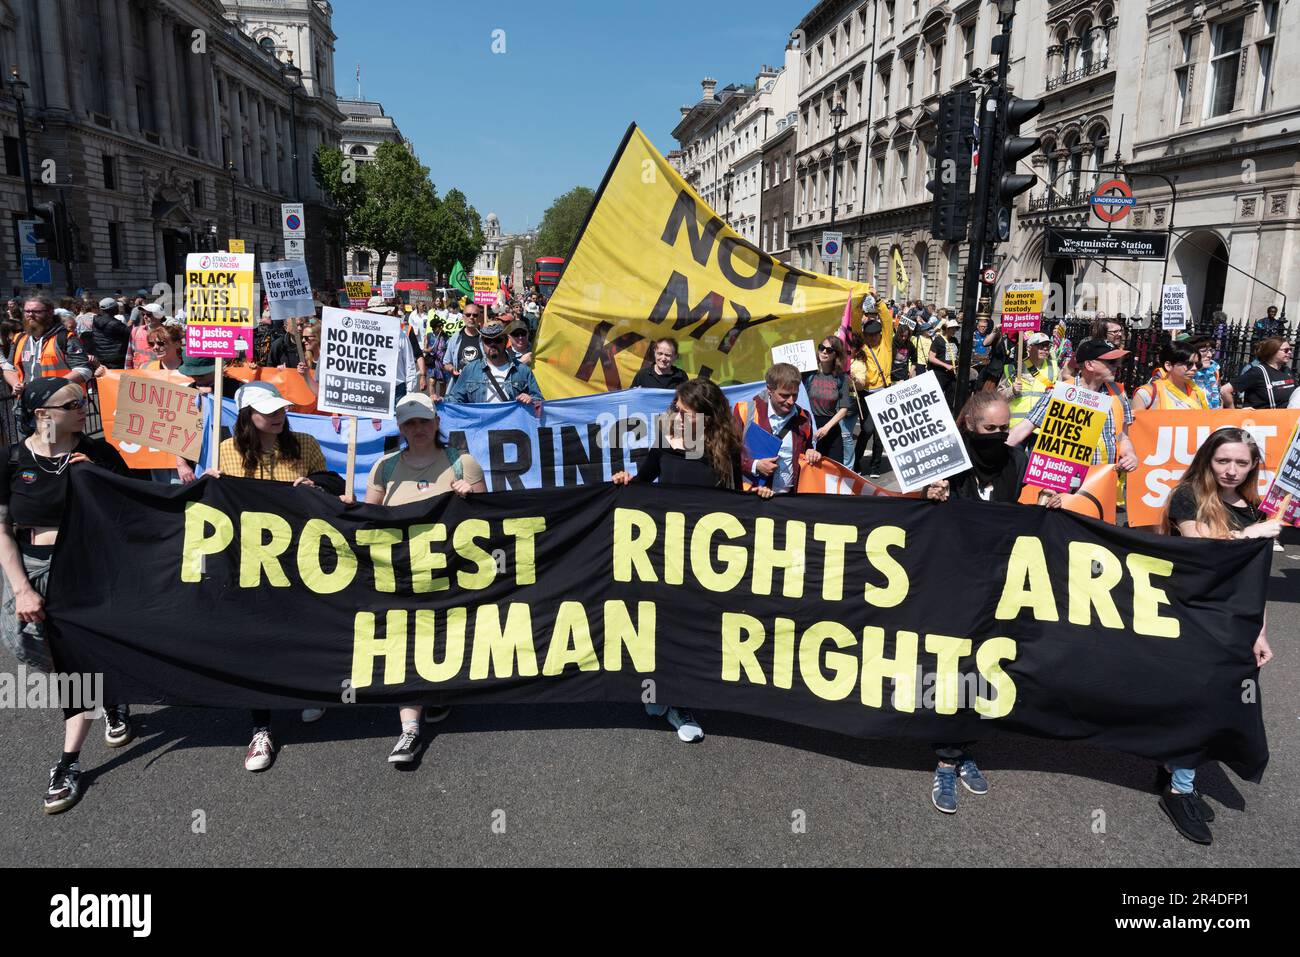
(602, 785)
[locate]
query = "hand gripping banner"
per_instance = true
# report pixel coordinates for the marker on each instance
(855, 614)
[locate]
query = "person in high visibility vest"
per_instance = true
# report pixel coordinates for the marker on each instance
(1175, 389)
(1098, 363)
(44, 348)
(1036, 379)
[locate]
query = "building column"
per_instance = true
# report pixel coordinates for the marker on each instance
(116, 42)
(200, 102)
(273, 123)
(177, 100)
(255, 128)
(236, 126)
(53, 56)
(313, 140)
(158, 74)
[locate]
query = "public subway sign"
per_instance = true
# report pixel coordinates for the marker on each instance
(358, 363)
(654, 260)
(1100, 244)
(824, 611)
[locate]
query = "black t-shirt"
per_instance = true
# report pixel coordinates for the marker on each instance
(827, 393)
(1182, 508)
(904, 359)
(34, 493)
(939, 348)
(647, 378)
(1251, 388)
(671, 467)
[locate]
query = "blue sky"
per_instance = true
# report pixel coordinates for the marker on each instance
(515, 130)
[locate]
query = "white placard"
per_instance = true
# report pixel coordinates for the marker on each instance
(1174, 307)
(802, 355)
(920, 435)
(288, 289)
(388, 288)
(358, 363)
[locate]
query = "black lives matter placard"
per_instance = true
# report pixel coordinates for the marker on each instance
(919, 432)
(358, 363)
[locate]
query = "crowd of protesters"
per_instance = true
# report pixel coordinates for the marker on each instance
(465, 352)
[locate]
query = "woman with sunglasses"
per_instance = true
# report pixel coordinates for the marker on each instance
(33, 491)
(1218, 498)
(165, 342)
(831, 397)
(703, 450)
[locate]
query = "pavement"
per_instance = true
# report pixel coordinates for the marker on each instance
(607, 785)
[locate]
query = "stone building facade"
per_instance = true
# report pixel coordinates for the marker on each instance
(164, 125)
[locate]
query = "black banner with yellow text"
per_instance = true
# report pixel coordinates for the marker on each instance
(867, 616)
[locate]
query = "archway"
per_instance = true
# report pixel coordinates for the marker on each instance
(1200, 260)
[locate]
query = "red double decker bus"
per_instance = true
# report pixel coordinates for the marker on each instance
(547, 274)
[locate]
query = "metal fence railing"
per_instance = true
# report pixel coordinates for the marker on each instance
(9, 433)
(1234, 346)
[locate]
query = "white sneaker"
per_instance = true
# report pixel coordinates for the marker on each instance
(688, 729)
(312, 714)
(261, 752)
(1277, 547)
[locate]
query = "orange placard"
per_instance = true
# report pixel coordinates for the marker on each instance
(137, 457)
(289, 381)
(1166, 441)
(831, 478)
(1095, 498)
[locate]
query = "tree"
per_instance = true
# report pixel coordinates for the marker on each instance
(561, 222)
(337, 178)
(390, 206)
(456, 234)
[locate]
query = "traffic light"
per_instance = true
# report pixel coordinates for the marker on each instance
(52, 230)
(1009, 148)
(954, 121)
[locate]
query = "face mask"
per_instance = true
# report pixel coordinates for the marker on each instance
(988, 451)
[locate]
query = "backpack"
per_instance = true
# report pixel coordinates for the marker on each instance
(389, 466)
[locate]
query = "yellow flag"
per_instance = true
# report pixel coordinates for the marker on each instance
(654, 260)
(900, 272)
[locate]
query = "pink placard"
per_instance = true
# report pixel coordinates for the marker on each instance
(1021, 322)
(217, 342)
(1059, 475)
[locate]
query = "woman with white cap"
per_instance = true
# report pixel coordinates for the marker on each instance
(425, 468)
(263, 446)
(139, 352)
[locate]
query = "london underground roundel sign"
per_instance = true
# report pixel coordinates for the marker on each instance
(1112, 200)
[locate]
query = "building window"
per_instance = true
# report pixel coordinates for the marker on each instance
(954, 264)
(1183, 77)
(909, 77)
(115, 245)
(1264, 49)
(784, 236)
(936, 67)
(110, 173)
(1225, 62)
(880, 182)
(922, 269)
(198, 194)
(13, 166)
(889, 17)
(968, 49)
(884, 94)
(144, 108)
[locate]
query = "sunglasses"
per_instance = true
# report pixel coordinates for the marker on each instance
(493, 339)
(73, 406)
(825, 349)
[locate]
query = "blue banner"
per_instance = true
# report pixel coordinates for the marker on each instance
(578, 441)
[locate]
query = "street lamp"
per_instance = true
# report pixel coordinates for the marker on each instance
(16, 87)
(1006, 10)
(293, 79)
(838, 112)
(726, 194)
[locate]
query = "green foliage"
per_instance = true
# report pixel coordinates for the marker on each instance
(561, 222)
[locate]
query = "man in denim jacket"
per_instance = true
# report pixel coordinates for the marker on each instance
(498, 376)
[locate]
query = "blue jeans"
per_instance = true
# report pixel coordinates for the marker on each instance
(850, 440)
(1184, 780)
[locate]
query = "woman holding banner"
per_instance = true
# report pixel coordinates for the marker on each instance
(262, 446)
(711, 460)
(995, 476)
(1218, 498)
(33, 490)
(425, 468)
(1175, 389)
(1267, 383)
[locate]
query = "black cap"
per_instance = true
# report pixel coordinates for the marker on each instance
(1091, 349)
(871, 327)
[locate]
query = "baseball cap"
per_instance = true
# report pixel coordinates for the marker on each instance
(950, 322)
(108, 302)
(1038, 339)
(61, 313)
(415, 405)
(516, 326)
(492, 329)
(871, 327)
(1091, 349)
(154, 309)
(260, 397)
